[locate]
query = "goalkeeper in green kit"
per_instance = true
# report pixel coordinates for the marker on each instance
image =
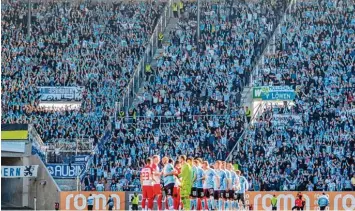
(186, 182)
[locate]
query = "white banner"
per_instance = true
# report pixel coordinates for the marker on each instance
(19, 171)
(64, 93)
(282, 119)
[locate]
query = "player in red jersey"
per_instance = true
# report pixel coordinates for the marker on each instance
(176, 195)
(156, 176)
(147, 185)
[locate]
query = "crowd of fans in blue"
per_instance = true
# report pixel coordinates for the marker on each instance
(191, 104)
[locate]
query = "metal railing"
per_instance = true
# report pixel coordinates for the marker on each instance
(130, 92)
(237, 144)
(38, 147)
(265, 46)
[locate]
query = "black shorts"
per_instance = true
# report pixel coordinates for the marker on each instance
(200, 193)
(209, 192)
(169, 189)
(223, 194)
(216, 195)
(240, 197)
(193, 192)
(229, 194)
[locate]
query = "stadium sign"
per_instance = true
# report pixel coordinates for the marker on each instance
(60, 94)
(273, 93)
(64, 170)
(75, 200)
(260, 200)
(81, 159)
(286, 200)
(281, 120)
(19, 171)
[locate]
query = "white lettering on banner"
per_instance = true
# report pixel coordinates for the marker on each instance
(64, 93)
(76, 202)
(64, 170)
(99, 199)
(280, 96)
(343, 202)
(258, 92)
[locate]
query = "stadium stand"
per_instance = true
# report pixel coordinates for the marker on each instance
(192, 98)
(92, 44)
(315, 54)
(191, 103)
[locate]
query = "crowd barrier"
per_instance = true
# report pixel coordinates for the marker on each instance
(75, 200)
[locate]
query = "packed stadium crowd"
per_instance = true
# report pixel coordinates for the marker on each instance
(301, 153)
(192, 111)
(314, 148)
(192, 101)
(93, 44)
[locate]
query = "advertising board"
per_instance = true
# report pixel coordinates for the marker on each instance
(64, 170)
(260, 200)
(76, 200)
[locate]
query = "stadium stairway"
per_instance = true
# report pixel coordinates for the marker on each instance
(170, 26)
(271, 45)
(247, 96)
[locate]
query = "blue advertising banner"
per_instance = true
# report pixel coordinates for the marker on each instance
(64, 171)
(278, 95)
(80, 159)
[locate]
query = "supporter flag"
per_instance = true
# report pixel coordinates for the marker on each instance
(14, 131)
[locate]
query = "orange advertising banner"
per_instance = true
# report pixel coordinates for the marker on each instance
(76, 200)
(286, 200)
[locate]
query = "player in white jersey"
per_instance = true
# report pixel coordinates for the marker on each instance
(233, 186)
(147, 186)
(157, 175)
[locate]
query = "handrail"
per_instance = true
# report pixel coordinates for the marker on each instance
(258, 58)
(136, 79)
(242, 136)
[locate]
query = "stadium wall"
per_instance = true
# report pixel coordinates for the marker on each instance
(75, 200)
(12, 189)
(43, 188)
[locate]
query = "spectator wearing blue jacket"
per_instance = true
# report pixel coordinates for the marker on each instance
(323, 201)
